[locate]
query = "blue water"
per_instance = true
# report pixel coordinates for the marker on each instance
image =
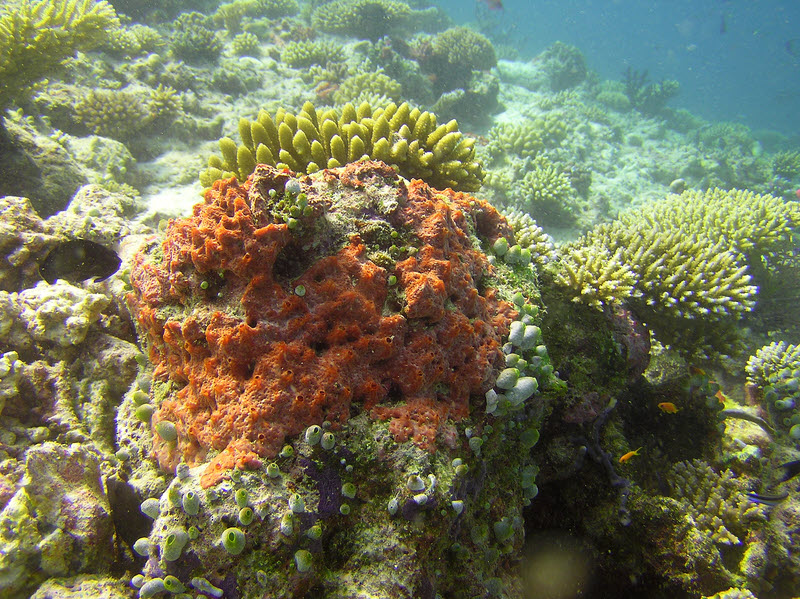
(736, 60)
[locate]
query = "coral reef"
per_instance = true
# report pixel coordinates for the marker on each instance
(775, 370)
(67, 357)
(59, 519)
(355, 88)
(124, 114)
(348, 365)
(409, 139)
(731, 138)
(23, 241)
(59, 314)
(452, 55)
(245, 44)
(35, 166)
(193, 40)
(646, 97)
(544, 191)
(119, 114)
(474, 103)
(787, 164)
(717, 515)
(716, 503)
(275, 9)
(530, 235)
(525, 139)
(614, 98)
(338, 373)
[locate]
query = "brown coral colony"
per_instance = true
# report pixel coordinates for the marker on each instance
(256, 360)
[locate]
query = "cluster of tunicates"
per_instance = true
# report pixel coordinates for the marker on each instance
(526, 362)
(515, 254)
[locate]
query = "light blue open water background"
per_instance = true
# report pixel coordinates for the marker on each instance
(736, 60)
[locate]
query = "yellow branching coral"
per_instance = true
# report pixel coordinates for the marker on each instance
(36, 37)
(597, 276)
(716, 503)
(399, 135)
(745, 221)
(689, 257)
(688, 252)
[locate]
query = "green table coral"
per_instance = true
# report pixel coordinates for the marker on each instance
(36, 38)
(406, 137)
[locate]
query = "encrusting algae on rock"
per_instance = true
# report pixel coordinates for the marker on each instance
(261, 325)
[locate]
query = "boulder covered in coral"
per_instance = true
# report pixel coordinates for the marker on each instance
(326, 350)
(266, 323)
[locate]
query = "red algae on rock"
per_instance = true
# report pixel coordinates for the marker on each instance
(271, 310)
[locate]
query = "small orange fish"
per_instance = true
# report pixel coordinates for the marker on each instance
(668, 407)
(629, 455)
(721, 397)
(696, 370)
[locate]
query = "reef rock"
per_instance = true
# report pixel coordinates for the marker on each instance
(57, 522)
(325, 350)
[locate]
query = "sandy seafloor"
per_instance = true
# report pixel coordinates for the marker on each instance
(626, 474)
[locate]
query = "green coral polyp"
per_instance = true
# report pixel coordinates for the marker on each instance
(233, 540)
(166, 430)
(303, 560)
(400, 135)
(191, 503)
(174, 544)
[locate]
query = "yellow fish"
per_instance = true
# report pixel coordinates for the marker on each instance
(629, 455)
(668, 407)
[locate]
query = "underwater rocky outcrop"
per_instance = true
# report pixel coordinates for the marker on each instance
(339, 371)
